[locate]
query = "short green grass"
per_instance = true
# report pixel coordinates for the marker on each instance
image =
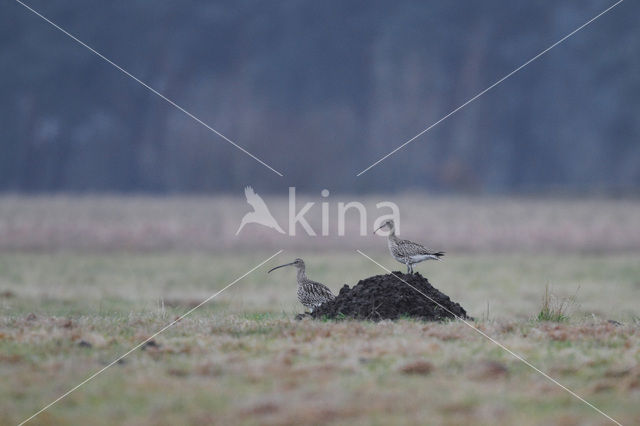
(244, 359)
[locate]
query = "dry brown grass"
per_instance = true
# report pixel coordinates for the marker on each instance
(128, 266)
(229, 369)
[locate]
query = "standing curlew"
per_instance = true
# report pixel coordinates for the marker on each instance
(310, 293)
(405, 251)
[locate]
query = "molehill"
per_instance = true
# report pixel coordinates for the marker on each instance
(387, 297)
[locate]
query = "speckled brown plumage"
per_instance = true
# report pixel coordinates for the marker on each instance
(407, 252)
(313, 294)
(310, 293)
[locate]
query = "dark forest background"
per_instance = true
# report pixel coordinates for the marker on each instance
(320, 90)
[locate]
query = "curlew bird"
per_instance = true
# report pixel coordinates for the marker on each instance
(310, 293)
(405, 251)
(260, 213)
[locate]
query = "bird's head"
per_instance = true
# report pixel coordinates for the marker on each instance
(298, 263)
(387, 224)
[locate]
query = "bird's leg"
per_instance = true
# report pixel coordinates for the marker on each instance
(409, 269)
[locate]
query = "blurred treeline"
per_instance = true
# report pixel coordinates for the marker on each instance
(320, 90)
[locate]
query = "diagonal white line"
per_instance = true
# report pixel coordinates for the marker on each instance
(91, 377)
(515, 355)
(151, 89)
(490, 87)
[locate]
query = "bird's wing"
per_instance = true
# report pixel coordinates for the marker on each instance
(319, 292)
(409, 248)
(254, 199)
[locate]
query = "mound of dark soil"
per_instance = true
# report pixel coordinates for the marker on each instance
(387, 297)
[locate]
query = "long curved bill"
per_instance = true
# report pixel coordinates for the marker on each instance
(281, 266)
(379, 228)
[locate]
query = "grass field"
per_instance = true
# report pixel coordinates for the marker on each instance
(243, 358)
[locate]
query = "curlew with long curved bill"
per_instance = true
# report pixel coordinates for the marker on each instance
(405, 251)
(310, 293)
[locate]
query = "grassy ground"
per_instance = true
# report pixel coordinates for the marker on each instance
(243, 358)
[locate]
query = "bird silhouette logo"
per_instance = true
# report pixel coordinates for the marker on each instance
(260, 214)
